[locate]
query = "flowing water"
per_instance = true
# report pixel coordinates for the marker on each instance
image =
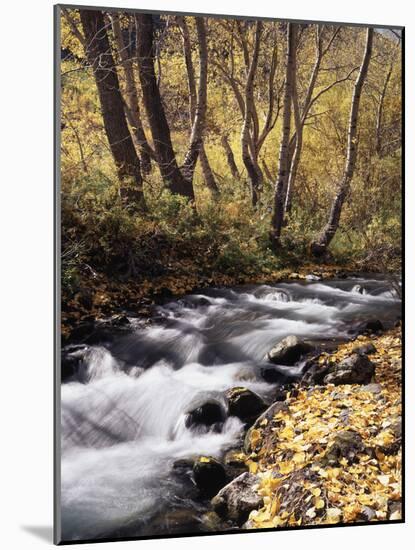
(123, 415)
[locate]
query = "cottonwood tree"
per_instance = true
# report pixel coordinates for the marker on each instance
(243, 83)
(132, 106)
(193, 100)
(99, 56)
(179, 180)
(301, 111)
(283, 160)
(319, 246)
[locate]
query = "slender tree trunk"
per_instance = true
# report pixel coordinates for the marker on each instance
(199, 118)
(251, 166)
(187, 51)
(378, 142)
(132, 103)
(156, 115)
(298, 143)
(283, 161)
(230, 157)
(98, 53)
(319, 247)
(300, 115)
(267, 171)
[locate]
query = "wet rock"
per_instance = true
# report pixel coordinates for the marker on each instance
(355, 369)
(244, 404)
(273, 375)
(313, 277)
(289, 351)
(265, 416)
(71, 360)
(235, 463)
(237, 499)
(281, 393)
(81, 332)
(366, 349)
(183, 469)
(374, 325)
(209, 475)
(119, 321)
(208, 414)
(315, 374)
(347, 444)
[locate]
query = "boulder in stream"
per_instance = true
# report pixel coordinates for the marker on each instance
(244, 404)
(237, 499)
(374, 325)
(209, 475)
(355, 369)
(289, 350)
(208, 414)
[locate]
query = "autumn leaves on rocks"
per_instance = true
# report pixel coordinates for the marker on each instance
(328, 453)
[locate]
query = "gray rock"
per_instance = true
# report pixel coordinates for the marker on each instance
(396, 427)
(347, 444)
(372, 388)
(355, 369)
(289, 350)
(245, 404)
(237, 499)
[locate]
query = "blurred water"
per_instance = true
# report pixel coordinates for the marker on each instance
(123, 416)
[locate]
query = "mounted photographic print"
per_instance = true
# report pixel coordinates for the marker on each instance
(228, 274)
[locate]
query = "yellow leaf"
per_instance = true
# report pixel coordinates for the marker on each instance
(299, 458)
(255, 438)
(384, 480)
(319, 503)
(333, 515)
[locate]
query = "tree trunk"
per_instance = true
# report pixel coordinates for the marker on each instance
(156, 115)
(199, 118)
(378, 142)
(319, 247)
(283, 161)
(230, 157)
(193, 101)
(254, 173)
(99, 56)
(132, 103)
(298, 143)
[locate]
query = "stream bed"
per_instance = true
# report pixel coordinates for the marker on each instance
(123, 423)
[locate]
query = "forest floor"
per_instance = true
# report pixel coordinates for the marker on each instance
(332, 454)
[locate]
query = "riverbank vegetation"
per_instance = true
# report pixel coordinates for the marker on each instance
(204, 151)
